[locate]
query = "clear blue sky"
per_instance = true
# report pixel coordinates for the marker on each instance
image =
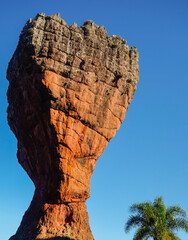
(149, 155)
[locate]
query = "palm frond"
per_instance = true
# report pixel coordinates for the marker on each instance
(178, 224)
(142, 233)
(159, 207)
(176, 211)
(139, 207)
(172, 236)
(158, 202)
(133, 221)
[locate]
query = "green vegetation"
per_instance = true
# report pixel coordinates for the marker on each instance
(156, 221)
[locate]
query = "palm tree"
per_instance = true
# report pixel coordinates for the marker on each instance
(156, 221)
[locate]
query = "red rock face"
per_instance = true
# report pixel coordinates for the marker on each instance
(69, 92)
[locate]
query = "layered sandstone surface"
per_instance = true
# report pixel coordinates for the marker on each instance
(70, 88)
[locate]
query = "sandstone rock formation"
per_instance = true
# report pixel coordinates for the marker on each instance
(70, 88)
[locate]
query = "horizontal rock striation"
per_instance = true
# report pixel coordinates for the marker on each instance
(69, 91)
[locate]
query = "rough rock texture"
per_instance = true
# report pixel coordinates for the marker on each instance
(70, 88)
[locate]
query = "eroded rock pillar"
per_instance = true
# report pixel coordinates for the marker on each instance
(70, 88)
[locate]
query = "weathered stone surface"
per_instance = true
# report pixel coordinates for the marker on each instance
(70, 88)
